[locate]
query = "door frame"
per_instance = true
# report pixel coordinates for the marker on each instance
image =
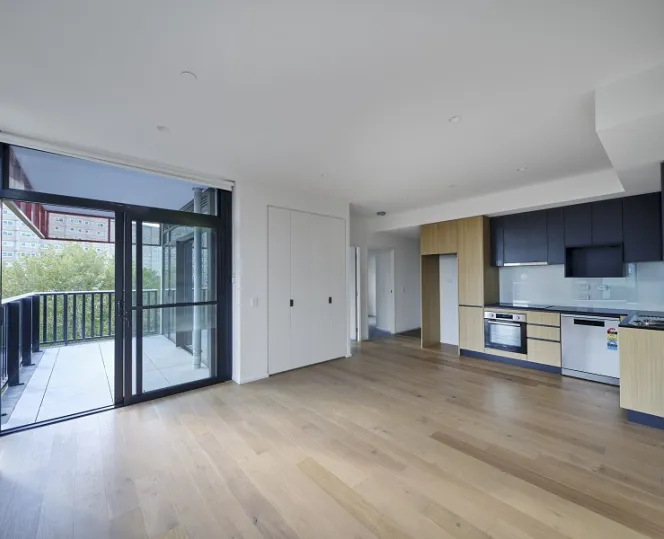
(222, 222)
(131, 314)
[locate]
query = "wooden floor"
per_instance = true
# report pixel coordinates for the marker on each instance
(395, 442)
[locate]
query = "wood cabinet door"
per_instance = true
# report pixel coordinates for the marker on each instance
(471, 328)
(429, 239)
(471, 261)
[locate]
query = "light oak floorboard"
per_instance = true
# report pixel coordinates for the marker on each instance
(394, 442)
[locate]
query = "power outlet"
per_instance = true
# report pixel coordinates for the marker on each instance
(584, 297)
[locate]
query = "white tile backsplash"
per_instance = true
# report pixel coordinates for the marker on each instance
(641, 289)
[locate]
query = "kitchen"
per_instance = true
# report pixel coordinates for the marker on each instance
(575, 290)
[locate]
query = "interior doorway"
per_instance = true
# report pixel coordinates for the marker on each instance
(354, 293)
(381, 315)
(449, 300)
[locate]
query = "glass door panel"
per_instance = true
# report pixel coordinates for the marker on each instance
(173, 306)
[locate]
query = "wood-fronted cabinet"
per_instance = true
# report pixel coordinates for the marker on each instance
(642, 228)
(642, 370)
(555, 236)
(478, 281)
(524, 237)
(439, 238)
(471, 328)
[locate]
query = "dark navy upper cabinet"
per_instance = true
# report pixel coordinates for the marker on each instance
(524, 237)
(578, 225)
(555, 233)
(607, 222)
(497, 243)
(642, 228)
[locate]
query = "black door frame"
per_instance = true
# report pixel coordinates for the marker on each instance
(133, 313)
(222, 223)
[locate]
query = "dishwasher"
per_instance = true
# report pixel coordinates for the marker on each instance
(590, 348)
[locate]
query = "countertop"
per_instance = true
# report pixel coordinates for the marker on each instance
(588, 311)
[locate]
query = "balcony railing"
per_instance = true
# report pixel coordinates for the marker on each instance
(60, 318)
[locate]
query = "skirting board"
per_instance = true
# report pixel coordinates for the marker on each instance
(251, 379)
(648, 420)
(510, 361)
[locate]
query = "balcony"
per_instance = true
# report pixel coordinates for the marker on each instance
(58, 355)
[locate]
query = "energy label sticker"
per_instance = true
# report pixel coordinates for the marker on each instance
(612, 339)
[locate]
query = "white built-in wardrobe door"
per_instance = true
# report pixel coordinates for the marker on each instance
(304, 310)
(330, 288)
(279, 280)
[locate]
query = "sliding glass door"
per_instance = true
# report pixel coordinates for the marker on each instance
(171, 304)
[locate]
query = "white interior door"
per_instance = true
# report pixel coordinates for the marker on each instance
(279, 290)
(306, 310)
(329, 270)
(385, 319)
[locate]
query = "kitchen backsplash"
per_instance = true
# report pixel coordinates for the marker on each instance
(641, 288)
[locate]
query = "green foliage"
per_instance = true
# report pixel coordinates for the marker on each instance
(69, 269)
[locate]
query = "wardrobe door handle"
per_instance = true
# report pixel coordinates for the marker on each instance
(329, 300)
(292, 303)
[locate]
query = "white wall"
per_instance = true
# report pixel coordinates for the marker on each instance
(533, 196)
(352, 292)
(449, 299)
(250, 327)
(406, 273)
(371, 285)
(385, 290)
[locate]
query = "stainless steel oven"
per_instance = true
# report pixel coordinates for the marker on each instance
(505, 331)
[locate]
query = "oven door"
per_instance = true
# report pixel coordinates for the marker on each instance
(504, 335)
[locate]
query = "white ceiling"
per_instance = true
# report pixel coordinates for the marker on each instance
(351, 99)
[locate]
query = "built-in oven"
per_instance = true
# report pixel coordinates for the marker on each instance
(506, 331)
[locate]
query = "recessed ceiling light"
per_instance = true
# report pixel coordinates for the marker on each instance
(163, 128)
(381, 213)
(189, 75)
(521, 169)
(454, 119)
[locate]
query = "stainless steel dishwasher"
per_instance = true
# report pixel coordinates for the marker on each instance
(590, 348)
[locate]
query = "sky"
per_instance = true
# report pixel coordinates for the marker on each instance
(51, 173)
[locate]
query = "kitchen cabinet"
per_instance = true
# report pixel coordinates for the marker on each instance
(642, 370)
(439, 238)
(524, 237)
(607, 222)
(578, 225)
(555, 236)
(471, 328)
(642, 228)
(497, 241)
(478, 281)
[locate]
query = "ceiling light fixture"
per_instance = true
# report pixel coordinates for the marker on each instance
(381, 213)
(454, 119)
(189, 75)
(163, 128)
(521, 169)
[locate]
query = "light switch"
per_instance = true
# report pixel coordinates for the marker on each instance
(254, 301)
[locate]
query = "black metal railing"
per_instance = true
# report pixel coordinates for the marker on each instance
(67, 317)
(60, 318)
